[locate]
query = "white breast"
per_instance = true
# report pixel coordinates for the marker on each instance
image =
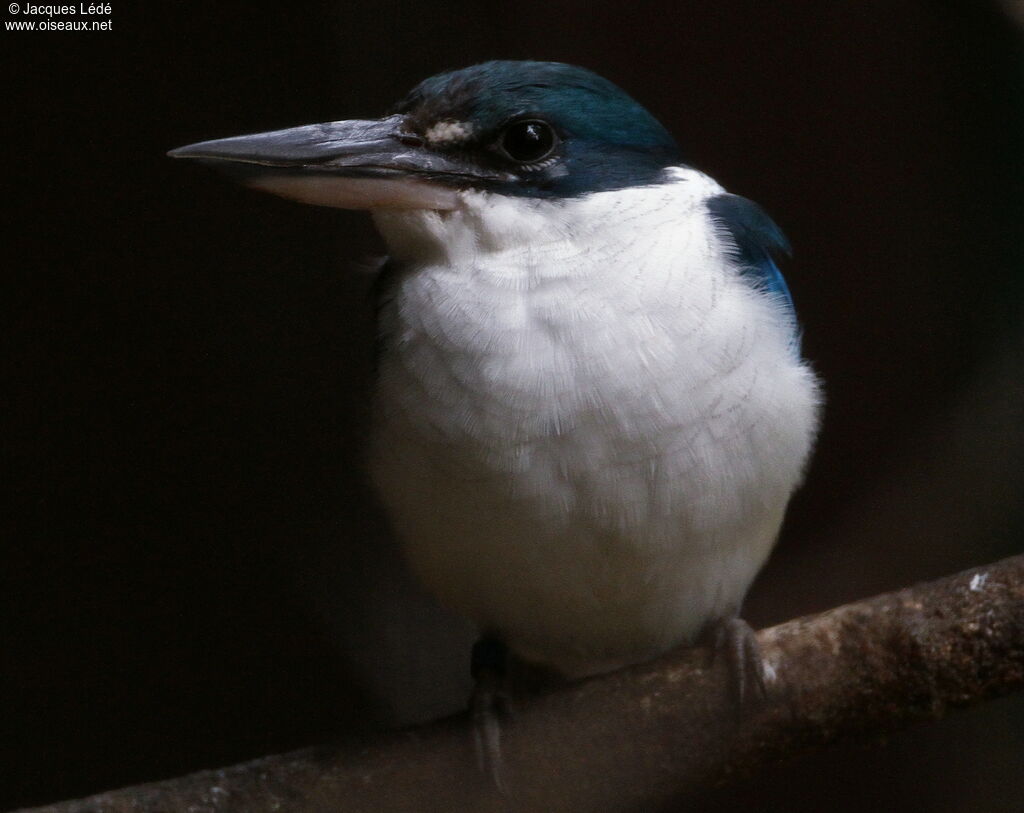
(588, 426)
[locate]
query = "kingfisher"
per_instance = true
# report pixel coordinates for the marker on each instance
(590, 407)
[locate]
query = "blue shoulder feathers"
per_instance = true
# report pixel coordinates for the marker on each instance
(757, 239)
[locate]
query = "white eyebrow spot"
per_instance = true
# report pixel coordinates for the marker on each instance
(449, 132)
(978, 581)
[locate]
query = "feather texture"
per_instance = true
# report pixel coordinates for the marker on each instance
(588, 423)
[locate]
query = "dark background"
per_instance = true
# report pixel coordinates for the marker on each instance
(195, 573)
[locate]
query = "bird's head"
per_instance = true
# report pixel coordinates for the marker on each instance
(539, 130)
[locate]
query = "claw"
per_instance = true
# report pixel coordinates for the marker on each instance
(736, 640)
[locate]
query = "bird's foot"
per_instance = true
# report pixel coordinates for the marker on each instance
(488, 704)
(734, 639)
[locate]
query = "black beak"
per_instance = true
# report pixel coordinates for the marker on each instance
(347, 164)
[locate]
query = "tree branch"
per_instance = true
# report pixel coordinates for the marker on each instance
(639, 738)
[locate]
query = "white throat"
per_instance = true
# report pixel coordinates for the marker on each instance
(488, 225)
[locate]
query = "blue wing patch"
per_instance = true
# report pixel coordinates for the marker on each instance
(756, 238)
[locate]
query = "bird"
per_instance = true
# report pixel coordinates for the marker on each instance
(590, 407)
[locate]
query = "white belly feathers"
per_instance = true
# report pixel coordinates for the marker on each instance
(587, 425)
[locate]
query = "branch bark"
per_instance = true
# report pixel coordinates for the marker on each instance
(643, 737)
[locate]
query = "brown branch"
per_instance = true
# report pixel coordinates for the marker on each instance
(642, 737)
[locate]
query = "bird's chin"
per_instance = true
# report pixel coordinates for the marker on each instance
(342, 192)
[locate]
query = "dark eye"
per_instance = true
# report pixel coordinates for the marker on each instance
(528, 141)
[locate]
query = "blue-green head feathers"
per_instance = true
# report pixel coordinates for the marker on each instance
(504, 114)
